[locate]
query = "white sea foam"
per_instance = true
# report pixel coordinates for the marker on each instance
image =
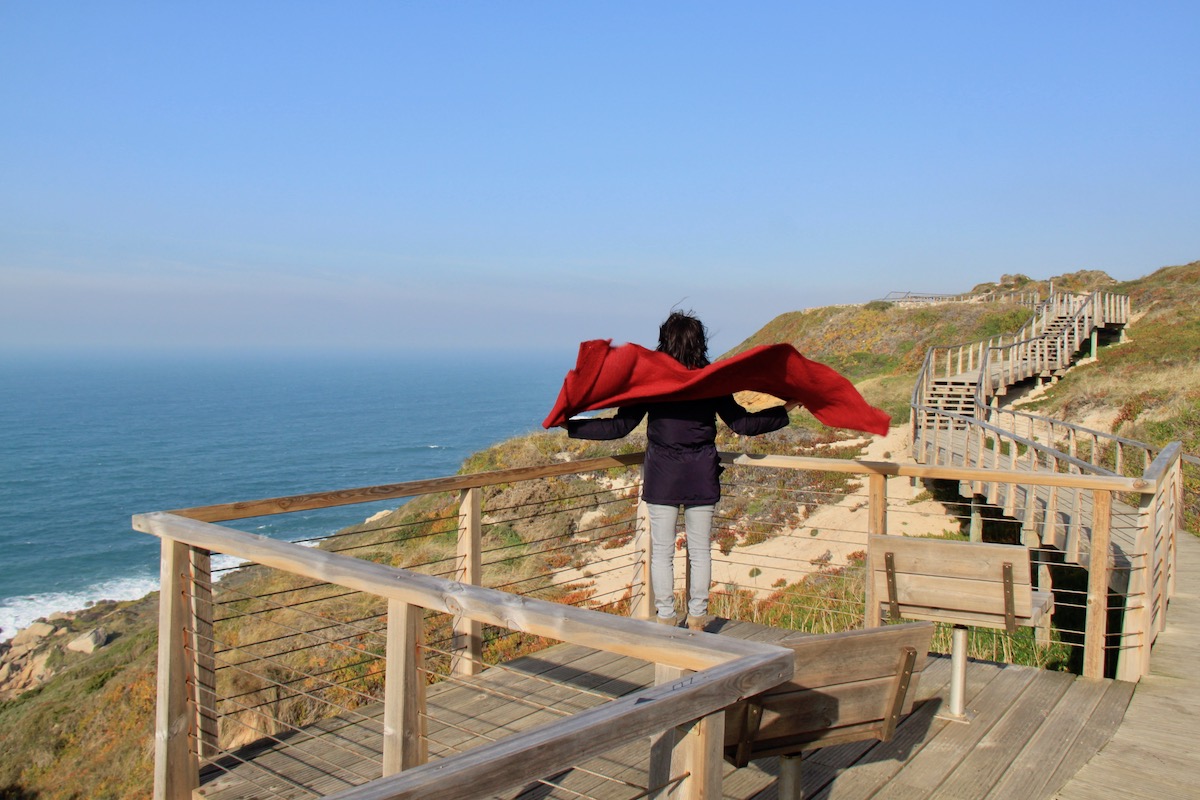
(18, 612)
(220, 563)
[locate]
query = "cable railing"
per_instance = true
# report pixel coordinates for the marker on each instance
(373, 647)
(351, 667)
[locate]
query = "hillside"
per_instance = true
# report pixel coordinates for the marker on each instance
(1147, 388)
(87, 731)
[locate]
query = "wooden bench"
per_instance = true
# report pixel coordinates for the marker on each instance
(960, 583)
(847, 687)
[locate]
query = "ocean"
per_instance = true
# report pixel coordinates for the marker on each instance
(87, 442)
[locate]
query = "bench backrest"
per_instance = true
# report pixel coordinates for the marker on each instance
(847, 687)
(952, 581)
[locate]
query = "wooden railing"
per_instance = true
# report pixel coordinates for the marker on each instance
(1121, 455)
(725, 670)
(187, 729)
(1140, 544)
(1017, 297)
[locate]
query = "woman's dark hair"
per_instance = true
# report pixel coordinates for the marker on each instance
(684, 338)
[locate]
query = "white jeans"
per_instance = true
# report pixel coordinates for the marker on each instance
(698, 523)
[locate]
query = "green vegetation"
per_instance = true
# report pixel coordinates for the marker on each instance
(89, 731)
(1147, 388)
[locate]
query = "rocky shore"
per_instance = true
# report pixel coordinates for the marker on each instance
(60, 641)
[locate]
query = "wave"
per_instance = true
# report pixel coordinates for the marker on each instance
(18, 612)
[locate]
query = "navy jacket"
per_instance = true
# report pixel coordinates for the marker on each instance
(682, 466)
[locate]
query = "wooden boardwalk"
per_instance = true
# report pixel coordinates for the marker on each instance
(1031, 731)
(1153, 755)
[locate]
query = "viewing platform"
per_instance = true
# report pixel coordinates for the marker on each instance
(457, 690)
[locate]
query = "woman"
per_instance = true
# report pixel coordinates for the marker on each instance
(682, 467)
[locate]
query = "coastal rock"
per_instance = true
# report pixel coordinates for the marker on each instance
(34, 672)
(16, 652)
(30, 635)
(89, 642)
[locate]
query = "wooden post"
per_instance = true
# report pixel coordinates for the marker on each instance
(404, 742)
(876, 523)
(204, 694)
(877, 488)
(1137, 635)
(699, 748)
(1075, 522)
(642, 606)
(976, 528)
(1176, 527)
(662, 744)
(176, 770)
(468, 633)
(1010, 498)
(937, 435)
(1050, 522)
(1097, 590)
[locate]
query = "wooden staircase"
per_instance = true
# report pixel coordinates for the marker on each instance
(957, 382)
(1045, 357)
(957, 420)
(955, 395)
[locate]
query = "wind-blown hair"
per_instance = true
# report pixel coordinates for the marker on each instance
(684, 338)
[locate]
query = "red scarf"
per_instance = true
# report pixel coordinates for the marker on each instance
(607, 376)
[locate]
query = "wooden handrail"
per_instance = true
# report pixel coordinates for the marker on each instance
(1107, 482)
(609, 632)
(391, 491)
(522, 757)
(304, 502)
(1109, 437)
(1158, 470)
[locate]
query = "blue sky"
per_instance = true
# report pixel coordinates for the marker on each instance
(518, 175)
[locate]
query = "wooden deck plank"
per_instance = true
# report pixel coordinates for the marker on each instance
(1152, 754)
(462, 716)
(941, 756)
(987, 761)
(1028, 774)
